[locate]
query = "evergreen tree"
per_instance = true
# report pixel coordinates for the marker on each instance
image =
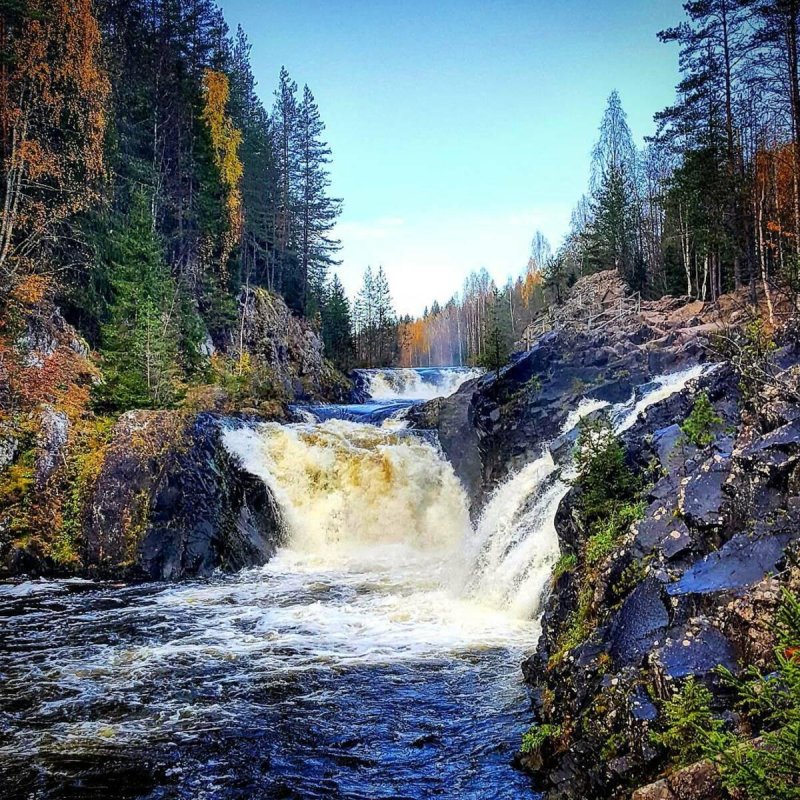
(497, 334)
(612, 240)
(140, 340)
(317, 212)
(337, 326)
(284, 127)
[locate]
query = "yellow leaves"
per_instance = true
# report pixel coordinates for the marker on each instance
(225, 142)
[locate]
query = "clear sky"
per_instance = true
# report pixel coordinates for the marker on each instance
(459, 127)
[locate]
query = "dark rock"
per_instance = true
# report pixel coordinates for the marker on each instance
(740, 563)
(641, 620)
(703, 501)
(694, 650)
(171, 503)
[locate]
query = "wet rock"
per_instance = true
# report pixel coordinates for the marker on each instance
(740, 563)
(696, 649)
(780, 448)
(703, 500)
(171, 503)
(638, 624)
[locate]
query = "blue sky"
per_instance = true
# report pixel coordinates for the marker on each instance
(459, 127)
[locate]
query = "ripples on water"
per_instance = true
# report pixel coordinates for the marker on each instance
(286, 682)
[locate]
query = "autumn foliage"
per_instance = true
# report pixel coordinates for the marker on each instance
(53, 121)
(225, 142)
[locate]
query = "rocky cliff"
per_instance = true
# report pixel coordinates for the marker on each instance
(148, 494)
(693, 581)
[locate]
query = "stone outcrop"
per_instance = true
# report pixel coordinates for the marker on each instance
(693, 585)
(170, 502)
(289, 347)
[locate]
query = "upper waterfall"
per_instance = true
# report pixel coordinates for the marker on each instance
(424, 383)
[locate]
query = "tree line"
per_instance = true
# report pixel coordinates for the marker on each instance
(711, 203)
(144, 184)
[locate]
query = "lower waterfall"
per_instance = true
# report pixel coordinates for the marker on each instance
(376, 655)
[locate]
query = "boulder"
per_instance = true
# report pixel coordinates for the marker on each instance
(171, 503)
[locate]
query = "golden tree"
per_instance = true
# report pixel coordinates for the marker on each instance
(225, 142)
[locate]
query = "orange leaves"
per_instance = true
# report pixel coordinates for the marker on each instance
(775, 184)
(54, 112)
(30, 291)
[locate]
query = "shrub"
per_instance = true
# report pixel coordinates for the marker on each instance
(699, 425)
(689, 723)
(537, 735)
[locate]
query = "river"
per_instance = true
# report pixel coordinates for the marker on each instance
(377, 655)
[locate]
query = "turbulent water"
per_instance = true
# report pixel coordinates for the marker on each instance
(376, 656)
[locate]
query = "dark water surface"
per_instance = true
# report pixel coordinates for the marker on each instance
(241, 688)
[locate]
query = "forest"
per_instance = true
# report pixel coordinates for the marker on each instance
(710, 204)
(146, 189)
(141, 171)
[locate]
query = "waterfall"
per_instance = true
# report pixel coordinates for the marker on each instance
(351, 490)
(358, 496)
(516, 540)
(425, 383)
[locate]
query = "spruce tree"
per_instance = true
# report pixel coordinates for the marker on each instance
(140, 339)
(337, 326)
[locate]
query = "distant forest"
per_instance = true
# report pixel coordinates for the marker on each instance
(709, 205)
(140, 171)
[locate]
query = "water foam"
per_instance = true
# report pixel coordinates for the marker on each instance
(416, 384)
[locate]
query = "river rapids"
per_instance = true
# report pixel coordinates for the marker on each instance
(375, 656)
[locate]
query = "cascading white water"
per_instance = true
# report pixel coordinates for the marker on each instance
(416, 384)
(355, 496)
(517, 543)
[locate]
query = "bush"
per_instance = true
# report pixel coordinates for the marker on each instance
(689, 724)
(538, 735)
(699, 425)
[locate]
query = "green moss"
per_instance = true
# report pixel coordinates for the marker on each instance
(567, 562)
(608, 532)
(577, 630)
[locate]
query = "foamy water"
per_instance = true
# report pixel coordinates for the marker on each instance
(416, 384)
(376, 655)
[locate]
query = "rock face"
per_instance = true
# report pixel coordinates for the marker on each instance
(690, 588)
(496, 426)
(289, 347)
(171, 503)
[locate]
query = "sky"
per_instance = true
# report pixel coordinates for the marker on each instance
(459, 127)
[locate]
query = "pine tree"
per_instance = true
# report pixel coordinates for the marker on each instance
(613, 233)
(496, 348)
(285, 143)
(317, 212)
